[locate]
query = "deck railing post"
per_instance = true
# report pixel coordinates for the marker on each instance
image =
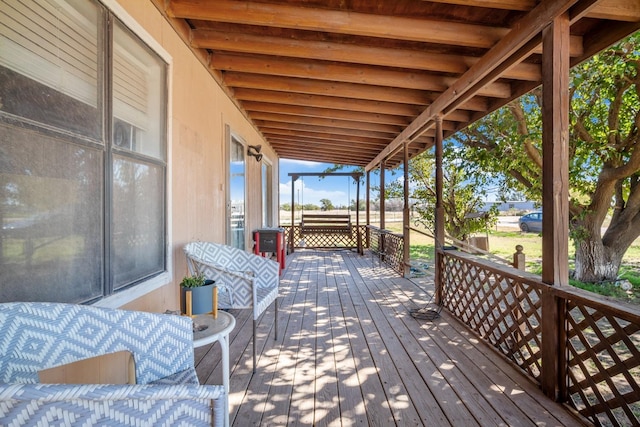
(554, 359)
(519, 258)
(439, 276)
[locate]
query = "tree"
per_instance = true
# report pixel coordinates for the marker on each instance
(362, 207)
(463, 194)
(604, 164)
(326, 205)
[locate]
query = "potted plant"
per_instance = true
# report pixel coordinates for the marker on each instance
(201, 290)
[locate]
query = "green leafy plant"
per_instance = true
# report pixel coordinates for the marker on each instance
(193, 281)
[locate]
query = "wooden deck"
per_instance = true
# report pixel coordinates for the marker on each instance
(349, 353)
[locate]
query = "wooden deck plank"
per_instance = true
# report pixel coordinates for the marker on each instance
(352, 409)
(488, 405)
(349, 353)
(518, 406)
(410, 361)
(303, 396)
(327, 404)
(378, 409)
(292, 308)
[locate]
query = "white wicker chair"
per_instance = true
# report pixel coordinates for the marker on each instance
(38, 336)
(244, 280)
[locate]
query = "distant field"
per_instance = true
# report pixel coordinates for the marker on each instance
(503, 243)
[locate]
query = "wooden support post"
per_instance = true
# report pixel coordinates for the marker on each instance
(358, 234)
(293, 210)
(555, 201)
(381, 242)
(382, 195)
(368, 207)
(439, 226)
(406, 235)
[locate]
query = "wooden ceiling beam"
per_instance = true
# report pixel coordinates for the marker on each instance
(355, 116)
(333, 102)
(350, 104)
(324, 136)
(337, 122)
(328, 143)
(329, 136)
(344, 52)
(331, 130)
(319, 121)
(346, 73)
(312, 157)
(336, 21)
(521, 5)
(320, 149)
(317, 87)
(295, 110)
(607, 35)
(339, 89)
(616, 10)
(524, 31)
(296, 148)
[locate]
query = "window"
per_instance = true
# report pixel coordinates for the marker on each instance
(236, 196)
(82, 153)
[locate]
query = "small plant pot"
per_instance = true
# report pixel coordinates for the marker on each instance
(201, 298)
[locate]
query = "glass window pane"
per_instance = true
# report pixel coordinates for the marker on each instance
(237, 189)
(138, 221)
(139, 96)
(51, 205)
(49, 64)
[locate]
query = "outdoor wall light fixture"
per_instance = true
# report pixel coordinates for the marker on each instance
(254, 150)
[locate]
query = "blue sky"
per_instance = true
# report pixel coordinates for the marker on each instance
(310, 189)
(339, 189)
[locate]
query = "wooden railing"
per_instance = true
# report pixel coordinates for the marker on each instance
(582, 350)
(323, 240)
(388, 246)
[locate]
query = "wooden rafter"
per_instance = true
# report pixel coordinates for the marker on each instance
(381, 71)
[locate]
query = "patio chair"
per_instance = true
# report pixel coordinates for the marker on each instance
(37, 336)
(244, 280)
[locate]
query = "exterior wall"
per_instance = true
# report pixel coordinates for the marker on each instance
(198, 153)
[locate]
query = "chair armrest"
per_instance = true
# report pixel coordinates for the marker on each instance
(59, 392)
(188, 376)
(105, 404)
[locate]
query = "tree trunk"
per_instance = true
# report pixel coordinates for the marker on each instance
(596, 262)
(598, 258)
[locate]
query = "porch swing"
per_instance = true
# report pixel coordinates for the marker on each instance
(324, 231)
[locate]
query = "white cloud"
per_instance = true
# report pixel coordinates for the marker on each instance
(311, 195)
(301, 163)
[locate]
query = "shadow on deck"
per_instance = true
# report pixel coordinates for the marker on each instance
(349, 353)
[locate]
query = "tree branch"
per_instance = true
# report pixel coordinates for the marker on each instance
(518, 112)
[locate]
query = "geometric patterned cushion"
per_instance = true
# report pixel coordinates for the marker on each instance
(244, 280)
(36, 336)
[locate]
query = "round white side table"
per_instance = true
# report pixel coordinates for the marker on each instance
(217, 330)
